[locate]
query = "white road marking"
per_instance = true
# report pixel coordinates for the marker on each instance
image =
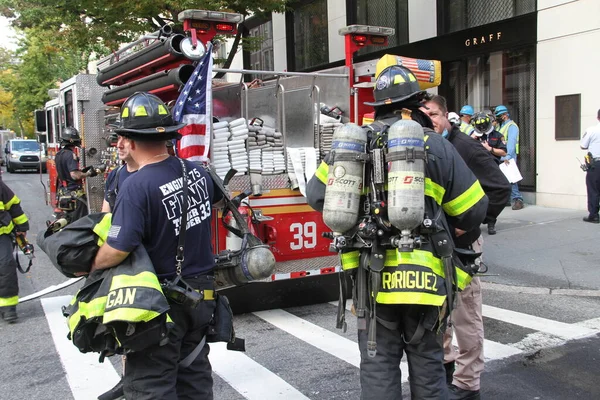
(50, 289)
(249, 378)
(327, 341)
(494, 350)
(87, 377)
(560, 329)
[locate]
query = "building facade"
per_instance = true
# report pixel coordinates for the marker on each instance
(532, 56)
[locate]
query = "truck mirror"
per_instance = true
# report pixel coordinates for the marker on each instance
(40, 120)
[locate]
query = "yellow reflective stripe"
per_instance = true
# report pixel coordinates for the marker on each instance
(169, 319)
(426, 299)
(9, 301)
(143, 279)
(434, 190)
(322, 172)
(5, 230)
(462, 278)
(93, 309)
(466, 200)
(11, 202)
(101, 228)
(350, 260)
(129, 315)
(422, 258)
(21, 219)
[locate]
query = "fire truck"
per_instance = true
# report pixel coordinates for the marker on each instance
(290, 119)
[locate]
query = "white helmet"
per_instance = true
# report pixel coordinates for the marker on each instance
(454, 118)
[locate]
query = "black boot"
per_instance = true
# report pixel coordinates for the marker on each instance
(9, 314)
(594, 219)
(113, 394)
(449, 367)
(457, 393)
(492, 228)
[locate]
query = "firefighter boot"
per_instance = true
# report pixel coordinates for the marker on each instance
(492, 228)
(9, 314)
(115, 393)
(457, 393)
(449, 367)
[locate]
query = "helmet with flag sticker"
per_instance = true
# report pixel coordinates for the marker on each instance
(395, 84)
(145, 117)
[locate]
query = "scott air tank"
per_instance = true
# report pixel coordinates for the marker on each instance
(345, 178)
(406, 175)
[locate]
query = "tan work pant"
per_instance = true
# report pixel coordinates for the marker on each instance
(467, 324)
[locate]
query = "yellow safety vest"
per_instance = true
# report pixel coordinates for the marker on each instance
(465, 128)
(504, 131)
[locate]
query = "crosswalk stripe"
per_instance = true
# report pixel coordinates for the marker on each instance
(249, 378)
(88, 378)
(321, 338)
(560, 329)
(494, 350)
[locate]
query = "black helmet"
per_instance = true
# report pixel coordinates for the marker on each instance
(70, 135)
(394, 84)
(145, 117)
(482, 124)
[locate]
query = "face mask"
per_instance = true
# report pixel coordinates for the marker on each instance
(445, 133)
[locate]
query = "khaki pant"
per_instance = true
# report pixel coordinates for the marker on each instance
(467, 324)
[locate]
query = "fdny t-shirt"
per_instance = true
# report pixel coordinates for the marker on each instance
(148, 212)
(115, 179)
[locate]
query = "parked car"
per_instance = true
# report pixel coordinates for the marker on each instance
(24, 154)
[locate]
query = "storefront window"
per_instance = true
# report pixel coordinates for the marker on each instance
(388, 13)
(504, 77)
(456, 15)
(311, 41)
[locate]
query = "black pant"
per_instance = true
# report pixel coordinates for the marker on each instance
(380, 376)
(9, 283)
(592, 181)
(153, 374)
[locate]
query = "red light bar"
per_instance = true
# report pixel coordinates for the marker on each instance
(361, 40)
(224, 27)
(378, 40)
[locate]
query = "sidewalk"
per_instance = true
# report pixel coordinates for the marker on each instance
(545, 248)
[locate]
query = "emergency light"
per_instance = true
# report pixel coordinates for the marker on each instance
(202, 26)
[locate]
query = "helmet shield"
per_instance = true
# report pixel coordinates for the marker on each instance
(395, 84)
(482, 124)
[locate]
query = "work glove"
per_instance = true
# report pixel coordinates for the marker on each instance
(90, 171)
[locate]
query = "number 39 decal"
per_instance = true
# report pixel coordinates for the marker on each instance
(305, 235)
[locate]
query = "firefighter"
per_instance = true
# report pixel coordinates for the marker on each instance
(70, 193)
(117, 176)
(148, 212)
(410, 320)
(467, 319)
(490, 138)
(12, 220)
(466, 114)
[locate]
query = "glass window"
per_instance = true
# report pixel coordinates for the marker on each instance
(311, 40)
(504, 77)
(69, 108)
(261, 53)
(388, 13)
(49, 126)
(456, 15)
(25, 145)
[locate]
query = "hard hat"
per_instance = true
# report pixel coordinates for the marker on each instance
(482, 124)
(70, 135)
(395, 84)
(146, 117)
(499, 110)
(467, 110)
(454, 118)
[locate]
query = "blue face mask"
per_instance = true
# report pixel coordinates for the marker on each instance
(445, 133)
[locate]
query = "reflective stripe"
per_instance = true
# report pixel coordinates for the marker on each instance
(466, 128)
(9, 301)
(93, 309)
(466, 200)
(322, 172)
(5, 230)
(350, 260)
(422, 258)
(462, 278)
(101, 228)
(434, 190)
(21, 219)
(130, 315)
(426, 299)
(143, 279)
(504, 131)
(11, 202)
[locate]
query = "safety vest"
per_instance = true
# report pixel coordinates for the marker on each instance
(465, 128)
(504, 131)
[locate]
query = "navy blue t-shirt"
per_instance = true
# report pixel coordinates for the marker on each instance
(67, 162)
(112, 183)
(148, 212)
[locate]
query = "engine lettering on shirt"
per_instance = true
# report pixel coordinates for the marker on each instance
(120, 297)
(409, 280)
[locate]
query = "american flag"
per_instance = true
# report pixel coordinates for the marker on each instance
(194, 108)
(424, 70)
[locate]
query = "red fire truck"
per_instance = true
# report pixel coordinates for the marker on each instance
(293, 117)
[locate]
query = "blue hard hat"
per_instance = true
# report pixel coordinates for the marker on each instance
(467, 110)
(499, 110)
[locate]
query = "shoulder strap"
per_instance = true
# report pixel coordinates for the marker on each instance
(182, 227)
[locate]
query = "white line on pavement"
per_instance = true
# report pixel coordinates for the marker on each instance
(321, 338)
(249, 378)
(50, 289)
(494, 350)
(560, 329)
(86, 376)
